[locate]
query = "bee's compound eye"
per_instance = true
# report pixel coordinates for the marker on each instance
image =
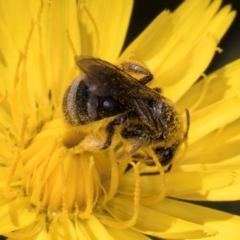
(167, 153)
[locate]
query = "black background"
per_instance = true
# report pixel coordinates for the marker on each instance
(145, 11)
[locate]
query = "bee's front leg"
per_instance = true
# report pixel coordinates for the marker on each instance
(110, 129)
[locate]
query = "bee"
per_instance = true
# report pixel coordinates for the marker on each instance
(144, 116)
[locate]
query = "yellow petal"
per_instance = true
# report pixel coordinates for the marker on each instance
(221, 186)
(221, 84)
(195, 184)
(104, 28)
(62, 228)
(3, 176)
(181, 183)
(155, 35)
(17, 214)
(12, 13)
(178, 78)
(218, 150)
(34, 231)
(9, 56)
(156, 223)
(227, 225)
(91, 229)
(182, 44)
(149, 186)
(188, 23)
(126, 234)
(62, 19)
(213, 117)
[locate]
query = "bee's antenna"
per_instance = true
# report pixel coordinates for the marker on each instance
(188, 122)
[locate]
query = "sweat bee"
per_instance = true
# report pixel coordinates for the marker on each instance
(146, 117)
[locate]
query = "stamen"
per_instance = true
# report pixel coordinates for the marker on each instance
(103, 200)
(83, 6)
(114, 179)
(203, 93)
(19, 62)
(23, 55)
(39, 178)
(16, 158)
(64, 186)
(7, 193)
(131, 222)
(22, 133)
(41, 55)
(70, 42)
(40, 10)
(89, 192)
(162, 174)
(39, 15)
(3, 98)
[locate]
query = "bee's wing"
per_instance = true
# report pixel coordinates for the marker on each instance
(106, 79)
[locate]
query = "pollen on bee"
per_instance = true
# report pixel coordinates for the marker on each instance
(73, 136)
(88, 137)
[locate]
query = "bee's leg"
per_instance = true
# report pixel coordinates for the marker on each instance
(110, 129)
(133, 132)
(155, 172)
(169, 168)
(131, 149)
(132, 67)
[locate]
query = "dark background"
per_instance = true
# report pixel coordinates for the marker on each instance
(145, 11)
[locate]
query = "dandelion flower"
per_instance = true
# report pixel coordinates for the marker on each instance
(52, 185)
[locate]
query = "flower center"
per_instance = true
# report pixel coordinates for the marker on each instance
(58, 174)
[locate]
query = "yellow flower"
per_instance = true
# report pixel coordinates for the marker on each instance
(52, 185)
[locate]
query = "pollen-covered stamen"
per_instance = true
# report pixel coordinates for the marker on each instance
(16, 163)
(122, 224)
(114, 180)
(10, 192)
(23, 55)
(57, 178)
(89, 193)
(22, 133)
(162, 175)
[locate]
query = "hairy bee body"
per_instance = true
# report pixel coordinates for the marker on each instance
(146, 117)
